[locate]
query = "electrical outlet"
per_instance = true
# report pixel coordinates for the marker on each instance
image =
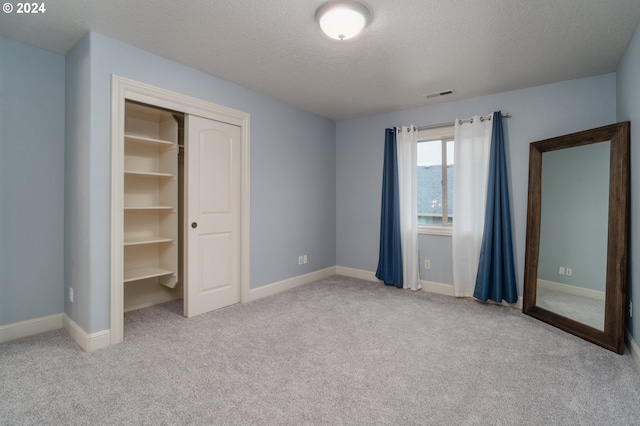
(304, 259)
(71, 294)
(299, 260)
(569, 272)
(561, 270)
(427, 264)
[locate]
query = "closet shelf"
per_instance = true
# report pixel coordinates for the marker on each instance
(142, 139)
(136, 241)
(148, 174)
(143, 273)
(150, 181)
(141, 208)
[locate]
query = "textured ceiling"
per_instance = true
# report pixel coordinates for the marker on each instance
(411, 48)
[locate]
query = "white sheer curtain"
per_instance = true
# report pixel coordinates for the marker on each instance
(407, 147)
(471, 159)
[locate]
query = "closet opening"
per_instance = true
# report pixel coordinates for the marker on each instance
(153, 210)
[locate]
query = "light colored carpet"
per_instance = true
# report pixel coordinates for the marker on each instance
(338, 351)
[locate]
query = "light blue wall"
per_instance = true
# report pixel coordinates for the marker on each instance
(437, 249)
(628, 109)
(31, 182)
(537, 113)
(292, 171)
(77, 269)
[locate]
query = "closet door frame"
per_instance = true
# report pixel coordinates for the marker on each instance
(126, 89)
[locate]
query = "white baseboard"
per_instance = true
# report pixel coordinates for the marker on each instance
(447, 290)
(633, 349)
(30, 327)
(88, 342)
(428, 286)
(280, 286)
(438, 288)
(357, 273)
(572, 289)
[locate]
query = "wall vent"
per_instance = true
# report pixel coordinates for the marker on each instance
(437, 94)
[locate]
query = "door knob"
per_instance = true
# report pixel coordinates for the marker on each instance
(194, 225)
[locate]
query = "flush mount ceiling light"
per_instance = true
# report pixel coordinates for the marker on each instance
(342, 20)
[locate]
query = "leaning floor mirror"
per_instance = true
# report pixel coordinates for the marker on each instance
(576, 251)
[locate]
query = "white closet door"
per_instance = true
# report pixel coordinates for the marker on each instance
(212, 219)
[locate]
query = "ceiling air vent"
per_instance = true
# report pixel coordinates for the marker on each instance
(437, 94)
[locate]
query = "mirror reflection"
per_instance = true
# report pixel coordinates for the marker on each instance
(575, 271)
(574, 212)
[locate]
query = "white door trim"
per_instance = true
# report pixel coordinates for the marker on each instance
(121, 89)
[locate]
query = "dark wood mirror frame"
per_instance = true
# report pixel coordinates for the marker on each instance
(612, 337)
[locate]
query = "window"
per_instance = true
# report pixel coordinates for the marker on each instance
(435, 178)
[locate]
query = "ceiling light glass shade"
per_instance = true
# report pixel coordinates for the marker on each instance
(342, 20)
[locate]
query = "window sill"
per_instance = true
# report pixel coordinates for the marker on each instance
(446, 231)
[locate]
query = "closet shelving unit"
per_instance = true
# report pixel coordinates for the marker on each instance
(150, 196)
